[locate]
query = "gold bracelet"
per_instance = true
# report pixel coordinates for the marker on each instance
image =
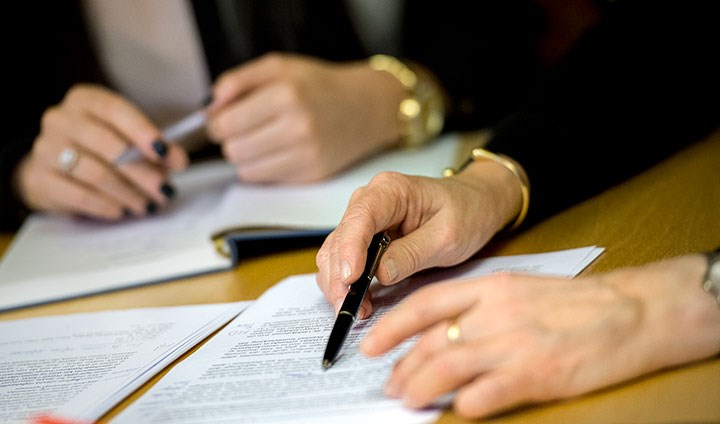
(514, 167)
(422, 112)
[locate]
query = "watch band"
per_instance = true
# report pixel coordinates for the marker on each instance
(422, 112)
(711, 281)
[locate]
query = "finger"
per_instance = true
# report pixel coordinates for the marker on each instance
(176, 158)
(63, 126)
(122, 116)
(391, 200)
(491, 393)
(443, 372)
(99, 177)
(124, 184)
(430, 343)
(341, 269)
(271, 153)
(238, 81)
(427, 306)
(152, 180)
(255, 109)
(326, 273)
(93, 171)
(56, 193)
(366, 307)
(371, 209)
(422, 248)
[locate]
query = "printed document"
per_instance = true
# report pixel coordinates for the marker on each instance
(79, 366)
(265, 366)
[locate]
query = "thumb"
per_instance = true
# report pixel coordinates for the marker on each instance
(409, 254)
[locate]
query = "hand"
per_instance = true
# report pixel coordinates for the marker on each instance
(434, 223)
(527, 339)
(287, 118)
(99, 125)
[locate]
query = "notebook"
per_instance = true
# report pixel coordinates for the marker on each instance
(214, 222)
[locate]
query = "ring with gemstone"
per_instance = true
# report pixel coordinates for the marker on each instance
(67, 160)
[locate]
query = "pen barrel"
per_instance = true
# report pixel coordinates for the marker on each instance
(337, 336)
(356, 293)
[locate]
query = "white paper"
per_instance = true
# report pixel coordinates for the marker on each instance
(53, 258)
(265, 366)
(79, 366)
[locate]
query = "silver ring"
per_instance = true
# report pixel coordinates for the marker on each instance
(67, 160)
(454, 335)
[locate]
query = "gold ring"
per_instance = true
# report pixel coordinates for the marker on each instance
(67, 159)
(454, 335)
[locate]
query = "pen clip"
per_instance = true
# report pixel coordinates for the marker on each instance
(383, 243)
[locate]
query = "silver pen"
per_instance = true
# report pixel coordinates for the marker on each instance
(172, 133)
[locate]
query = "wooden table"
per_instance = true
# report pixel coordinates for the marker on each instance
(671, 209)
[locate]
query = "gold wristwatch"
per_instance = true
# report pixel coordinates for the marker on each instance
(422, 111)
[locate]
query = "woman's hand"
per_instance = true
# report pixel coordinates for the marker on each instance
(287, 118)
(526, 339)
(433, 222)
(98, 125)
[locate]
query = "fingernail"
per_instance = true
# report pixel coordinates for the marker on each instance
(127, 213)
(391, 268)
(151, 207)
(363, 312)
(345, 270)
(338, 305)
(208, 100)
(167, 190)
(160, 148)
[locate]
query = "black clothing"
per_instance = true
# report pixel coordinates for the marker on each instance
(629, 93)
(636, 88)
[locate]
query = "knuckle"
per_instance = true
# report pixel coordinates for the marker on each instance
(50, 117)
(98, 175)
(230, 153)
(387, 178)
(443, 368)
(275, 61)
(304, 126)
(289, 95)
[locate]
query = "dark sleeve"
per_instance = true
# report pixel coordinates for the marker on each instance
(639, 86)
(483, 53)
(48, 50)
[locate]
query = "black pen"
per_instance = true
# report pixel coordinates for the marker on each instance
(351, 305)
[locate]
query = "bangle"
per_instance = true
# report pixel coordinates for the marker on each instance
(514, 167)
(711, 281)
(422, 112)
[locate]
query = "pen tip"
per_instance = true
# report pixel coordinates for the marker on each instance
(326, 364)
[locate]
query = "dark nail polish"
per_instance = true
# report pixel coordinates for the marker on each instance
(151, 207)
(167, 190)
(127, 213)
(160, 148)
(208, 100)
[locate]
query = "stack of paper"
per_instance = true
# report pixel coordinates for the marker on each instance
(265, 366)
(80, 366)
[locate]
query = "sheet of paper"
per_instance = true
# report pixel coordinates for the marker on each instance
(53, 258)
(79, 366)
(265, 366)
